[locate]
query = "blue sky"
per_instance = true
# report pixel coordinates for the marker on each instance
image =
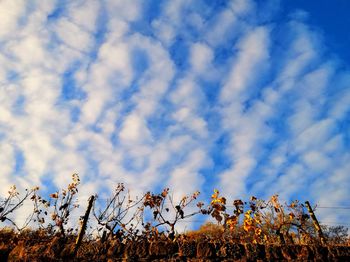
(250, 97)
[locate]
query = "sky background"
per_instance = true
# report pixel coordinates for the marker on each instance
(250, 97)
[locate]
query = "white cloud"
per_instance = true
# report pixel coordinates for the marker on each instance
(78, 12)
(341, 107)
(134, 130)
(334, 144)
(11, 11)
(128, 11)
(246, 129)
(226, 22)
(179, 143)
(303, 118)
(155, 83)
(316, 161)
(232, 181)
(173, 10)
(335, 186)
(165, 32)
(29, 51)
(187, 94)
(241, 6)
(185, 178)
(115, 55)
(190, 121)
(302, 53)
(201, 57)
(315, 83)
(111, 71)
(290, 182)
(253, 52)
(73, 35)
(315, 135)
(7, 164)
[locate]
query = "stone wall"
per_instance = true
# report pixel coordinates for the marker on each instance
(218, 251)
(58, 250)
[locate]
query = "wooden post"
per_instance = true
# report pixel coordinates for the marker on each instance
(83, 226)
(316, 224)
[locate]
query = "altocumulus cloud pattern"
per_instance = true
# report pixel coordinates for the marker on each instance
(193, 95)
